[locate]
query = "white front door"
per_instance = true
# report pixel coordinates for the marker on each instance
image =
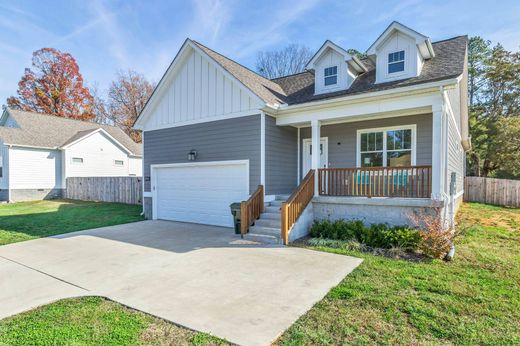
(307, 154)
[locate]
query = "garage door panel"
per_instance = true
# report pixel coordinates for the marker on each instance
(200, 194)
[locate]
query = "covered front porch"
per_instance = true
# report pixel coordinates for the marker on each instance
(385, 157)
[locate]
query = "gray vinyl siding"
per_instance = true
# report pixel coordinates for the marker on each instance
(342, 138)
(281, 157)
(456, 157)
(230, 139)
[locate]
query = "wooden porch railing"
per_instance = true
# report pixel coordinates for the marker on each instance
(251, 209)
(296, 204)
(408, 182)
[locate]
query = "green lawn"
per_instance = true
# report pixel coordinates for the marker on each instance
(95, 321)
(473, 300)
(29, 220)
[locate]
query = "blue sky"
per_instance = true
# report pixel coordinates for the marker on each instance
(105, 36)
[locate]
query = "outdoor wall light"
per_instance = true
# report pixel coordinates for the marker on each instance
(192, 155)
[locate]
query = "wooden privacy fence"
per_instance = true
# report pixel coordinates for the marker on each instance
(502, 192)
(105, 189)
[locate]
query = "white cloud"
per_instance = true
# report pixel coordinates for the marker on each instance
(210, 19)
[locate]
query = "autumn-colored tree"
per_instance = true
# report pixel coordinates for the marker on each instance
(54, 85)
(127, 97)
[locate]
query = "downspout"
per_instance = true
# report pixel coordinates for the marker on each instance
(446, 198)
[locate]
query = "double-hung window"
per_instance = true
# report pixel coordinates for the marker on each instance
(396, 62)
(392, 147)
(331, 75)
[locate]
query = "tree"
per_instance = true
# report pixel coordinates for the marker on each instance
(53, 86)
(127, 97)
(479, 51)
(494, 94)
(289, 60)
(506, 147)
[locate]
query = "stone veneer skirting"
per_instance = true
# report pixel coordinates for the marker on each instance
(393, 211)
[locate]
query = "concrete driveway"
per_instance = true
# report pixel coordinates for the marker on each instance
(202, 277)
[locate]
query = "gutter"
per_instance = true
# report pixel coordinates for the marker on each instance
(425, 88)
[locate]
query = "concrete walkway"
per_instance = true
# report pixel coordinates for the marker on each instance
(201, 277)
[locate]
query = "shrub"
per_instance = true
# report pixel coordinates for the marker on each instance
(437, 240)
(375, 235)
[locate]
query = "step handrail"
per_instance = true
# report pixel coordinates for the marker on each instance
(251, 209)
(296, 204)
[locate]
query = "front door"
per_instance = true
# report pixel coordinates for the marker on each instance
(307, 154)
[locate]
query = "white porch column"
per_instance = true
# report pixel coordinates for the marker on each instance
(262, 149)
(315, 162)
(437, 152)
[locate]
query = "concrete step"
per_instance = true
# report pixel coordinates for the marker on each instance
(276, 203)
(282, 198)
(271, 216)
(263, 238)
(272, 209)
(267, 222)
(274, 231)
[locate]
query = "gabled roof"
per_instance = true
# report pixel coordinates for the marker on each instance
(422, 41)
(352, 60)
(260, 88)
(49, 131)
(299, 88)
(447, 64)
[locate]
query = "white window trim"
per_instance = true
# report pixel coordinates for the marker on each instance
(412, 127)
(115, 164)
(400, 73)
(331, 86)
(77, 163)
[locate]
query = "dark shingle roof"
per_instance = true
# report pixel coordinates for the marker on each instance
(447, 63)
(48, 131)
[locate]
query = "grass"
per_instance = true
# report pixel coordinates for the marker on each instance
(474, 299)
(95, 321)
(29, 220)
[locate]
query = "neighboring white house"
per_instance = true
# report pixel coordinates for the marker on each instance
(39, 151)
(384, 134)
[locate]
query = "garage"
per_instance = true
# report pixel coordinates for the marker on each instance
(199, 192)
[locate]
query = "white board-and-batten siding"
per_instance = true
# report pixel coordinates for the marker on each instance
(197, 91)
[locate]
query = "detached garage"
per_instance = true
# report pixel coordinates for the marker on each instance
(199, 192)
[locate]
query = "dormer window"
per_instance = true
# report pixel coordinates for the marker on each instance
(396, 62)
(331, 75)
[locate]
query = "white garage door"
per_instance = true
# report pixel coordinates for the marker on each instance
(200, 192)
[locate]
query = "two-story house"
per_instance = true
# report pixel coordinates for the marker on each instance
(373, 138)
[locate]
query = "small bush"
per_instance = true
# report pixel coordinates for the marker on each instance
(376, 235)
(436, 239)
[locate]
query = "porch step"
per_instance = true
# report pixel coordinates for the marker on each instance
(282, 198)
(272, 209)
(271, 216)
(276, 203)
(265, 230)
(264, 222)
(263, 238)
